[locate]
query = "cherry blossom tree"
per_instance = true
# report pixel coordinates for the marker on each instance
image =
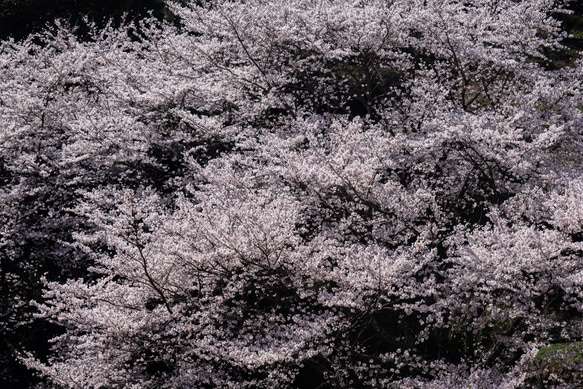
(303, 194)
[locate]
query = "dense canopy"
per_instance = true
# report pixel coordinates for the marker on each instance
(298, 194)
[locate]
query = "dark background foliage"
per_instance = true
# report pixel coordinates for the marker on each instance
(18, 18)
